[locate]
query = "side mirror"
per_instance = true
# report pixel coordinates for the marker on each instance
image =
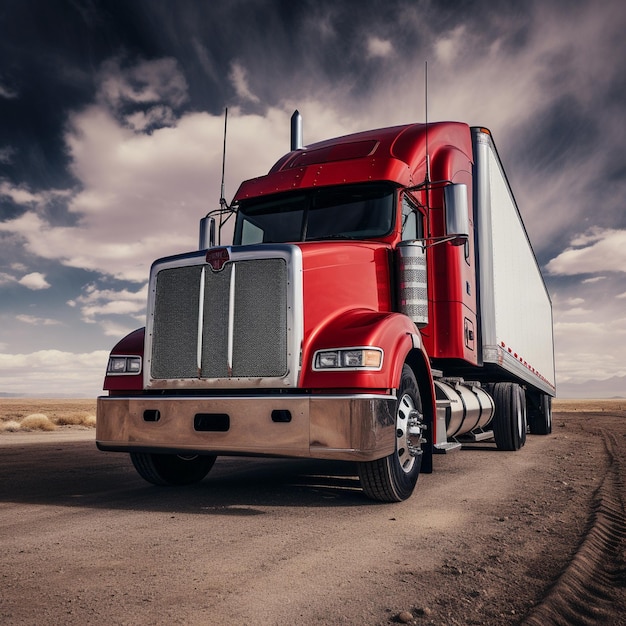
(207, 233)
(457, 213)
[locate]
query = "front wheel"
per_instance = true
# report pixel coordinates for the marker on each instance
(172, 469)
(393, 478)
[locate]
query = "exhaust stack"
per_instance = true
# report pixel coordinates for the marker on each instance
(296, 131)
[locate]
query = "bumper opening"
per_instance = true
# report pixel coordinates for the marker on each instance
(211, 422)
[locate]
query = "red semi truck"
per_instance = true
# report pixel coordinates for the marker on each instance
(380, 303)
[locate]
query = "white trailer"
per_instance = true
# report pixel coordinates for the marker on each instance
(515, 310)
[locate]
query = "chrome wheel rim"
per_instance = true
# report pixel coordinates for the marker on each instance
(403, 443)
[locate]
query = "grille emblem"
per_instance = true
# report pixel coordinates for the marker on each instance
(217, 258)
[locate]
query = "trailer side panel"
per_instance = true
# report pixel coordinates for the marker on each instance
(515, 307)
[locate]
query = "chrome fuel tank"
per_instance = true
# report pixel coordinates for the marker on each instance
(470, 406)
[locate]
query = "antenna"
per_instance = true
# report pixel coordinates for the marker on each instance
(207, 223)
(426, 113)
(223, 203)
(222, 199)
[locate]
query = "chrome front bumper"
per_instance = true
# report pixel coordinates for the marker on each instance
(352, 428)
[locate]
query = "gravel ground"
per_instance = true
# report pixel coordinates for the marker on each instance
(533, 537)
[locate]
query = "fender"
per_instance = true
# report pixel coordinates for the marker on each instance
(394, 333)
(131, 345)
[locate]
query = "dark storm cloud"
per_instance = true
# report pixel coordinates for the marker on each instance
(53, 61)
(48, 54)
(258, 54)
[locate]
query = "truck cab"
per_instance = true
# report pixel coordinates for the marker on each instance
(341, 323)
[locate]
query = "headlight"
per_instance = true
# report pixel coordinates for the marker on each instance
(124, 365)
(348, 359)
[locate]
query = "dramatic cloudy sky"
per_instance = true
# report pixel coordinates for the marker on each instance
(111, 121)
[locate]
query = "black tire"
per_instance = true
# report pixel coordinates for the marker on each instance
(540, 417)
(509, 422)
(172, 469)
(393, 478)
(524, 422)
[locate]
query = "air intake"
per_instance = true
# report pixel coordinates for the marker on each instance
(412, 279)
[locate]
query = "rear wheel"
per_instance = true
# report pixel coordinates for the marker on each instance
(393, 478)
(172, 469)
(509, 422)
(540, 417)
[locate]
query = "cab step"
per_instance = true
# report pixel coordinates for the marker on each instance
(448, 446)
(482, 435)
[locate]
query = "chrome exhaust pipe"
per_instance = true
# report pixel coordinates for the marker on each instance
(296, 131)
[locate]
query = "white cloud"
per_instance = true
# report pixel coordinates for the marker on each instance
(35, 281)
(576, 312)
(321, 23)
(155, 117)
(116, 330)
(6, 154)
(20, 194)
(587, 349)
(144, 83)
(6, 279)
(7, 92)
(589, 341)
(377, 47)
(53, 372)
(141, 196)
(239, 79)
(448, 47)
(96, 303)
(592, 236)
(604, 250)
(37, 321)
(206, 61)
(575, 301)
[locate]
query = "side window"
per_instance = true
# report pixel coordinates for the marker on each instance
(412, 221)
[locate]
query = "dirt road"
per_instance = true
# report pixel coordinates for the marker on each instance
(534, 537)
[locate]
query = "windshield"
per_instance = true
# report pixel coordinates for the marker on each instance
(348, 212)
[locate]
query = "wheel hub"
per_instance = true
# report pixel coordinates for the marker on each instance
(409, 428)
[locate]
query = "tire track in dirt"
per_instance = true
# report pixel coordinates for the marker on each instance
(595, 580)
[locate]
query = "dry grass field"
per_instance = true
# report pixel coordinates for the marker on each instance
(28, 414)
(37, 414)
(588, 406)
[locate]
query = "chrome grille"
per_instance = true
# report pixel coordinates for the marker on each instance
(175, 330)
(241, 314)
(260, 324)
